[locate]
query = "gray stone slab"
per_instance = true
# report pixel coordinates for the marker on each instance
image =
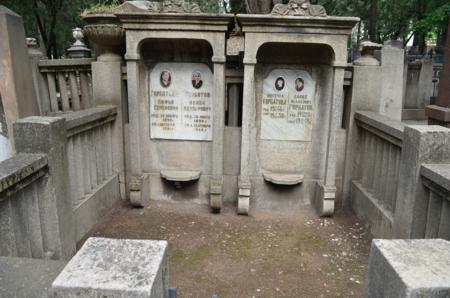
(180, 176)
(115, 268)
(383, 123)
(18, 168)
(25, 278)
(284, 179)
(409, 268)
(439, 173)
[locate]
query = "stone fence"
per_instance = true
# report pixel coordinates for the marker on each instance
(62, 180)
(421, 84)
(65, 83)
(401, 181)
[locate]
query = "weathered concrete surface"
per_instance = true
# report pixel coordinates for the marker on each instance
(421, 144)
(115, 268)
(18, 168)
(439, 173)
(392, 62)
(47, 135)
(25, 278)
(366, 95)
(16, 83)
(409, 268)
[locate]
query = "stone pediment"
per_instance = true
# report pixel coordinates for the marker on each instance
(299, 8)
(166, 6)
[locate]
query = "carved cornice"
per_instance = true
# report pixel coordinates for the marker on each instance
(299, 8)
(166, 6)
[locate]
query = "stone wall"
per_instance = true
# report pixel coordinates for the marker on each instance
(59, 185)
(401, 183)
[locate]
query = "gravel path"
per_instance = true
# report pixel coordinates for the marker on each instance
(267, 254)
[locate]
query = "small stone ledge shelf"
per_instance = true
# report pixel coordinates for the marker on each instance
(382, 126)
(438, 175)
(58, 65)
(80, 121)
(180, 176)
(19, 171)
(283, 179)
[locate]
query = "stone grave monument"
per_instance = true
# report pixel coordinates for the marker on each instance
(294, 65)
(175, 58)
(234, 108)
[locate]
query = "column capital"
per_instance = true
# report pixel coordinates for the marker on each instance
(132, 57)
(218, 59)
(250, 61)
(339, 64)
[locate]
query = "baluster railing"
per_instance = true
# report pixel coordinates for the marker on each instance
(68, 82)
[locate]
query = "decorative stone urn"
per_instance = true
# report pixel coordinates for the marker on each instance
(367, 58)
(105, 31)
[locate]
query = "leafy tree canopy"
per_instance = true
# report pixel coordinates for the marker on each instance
(51, 21)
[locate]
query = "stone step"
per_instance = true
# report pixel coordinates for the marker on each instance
(24, 278)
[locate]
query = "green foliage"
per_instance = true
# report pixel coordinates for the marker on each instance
(434, 20)
(52, 21)
(209, 6)
(395, 19)
(102, 7)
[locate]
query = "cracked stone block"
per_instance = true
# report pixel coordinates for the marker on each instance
(409, 268)
(116, 268)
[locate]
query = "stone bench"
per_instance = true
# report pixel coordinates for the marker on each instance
(409, 268)
(116, 268)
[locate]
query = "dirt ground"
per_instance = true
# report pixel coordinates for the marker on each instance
(267, 254)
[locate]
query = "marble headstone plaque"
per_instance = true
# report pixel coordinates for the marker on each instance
(287, 105)
(181, 97)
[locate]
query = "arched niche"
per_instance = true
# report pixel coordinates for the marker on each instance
(290, 155)
(176, 50)
(295, 53)
(180, 157)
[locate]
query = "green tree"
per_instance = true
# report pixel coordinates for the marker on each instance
(51, 21)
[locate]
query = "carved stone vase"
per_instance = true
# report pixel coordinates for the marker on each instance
(105, 31)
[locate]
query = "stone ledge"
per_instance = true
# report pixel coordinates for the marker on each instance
(382, 123)
(180, 176)
(283, 179)
(438, 113)
(58, 65)
(437, 173)
(77, 122)
(20, 168)
(409, 268)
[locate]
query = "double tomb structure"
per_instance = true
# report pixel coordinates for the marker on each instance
(225, 107)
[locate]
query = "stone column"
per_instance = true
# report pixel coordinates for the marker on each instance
(392, 67)
(366, 96)
(421, 144)
(47, 135)
(107, 89)
(326, 191)
(40, 85)
(218, 131)
(440, 113)
(137, 179)
(248, 121)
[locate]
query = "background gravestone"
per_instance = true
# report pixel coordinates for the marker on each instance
(16, 84)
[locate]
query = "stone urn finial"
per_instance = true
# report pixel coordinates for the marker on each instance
(107, 33)
(367, 58)
(78, 49)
